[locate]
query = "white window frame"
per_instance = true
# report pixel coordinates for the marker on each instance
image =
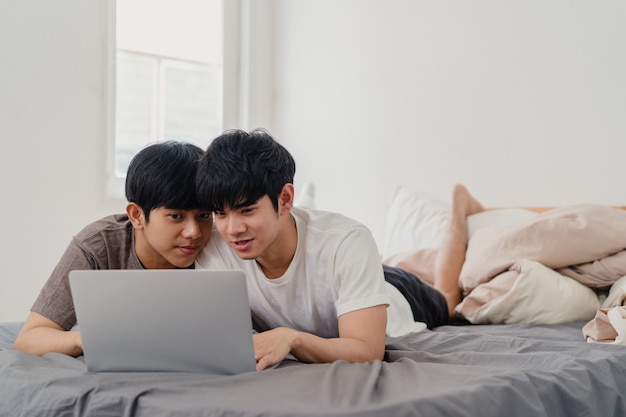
(234, 63)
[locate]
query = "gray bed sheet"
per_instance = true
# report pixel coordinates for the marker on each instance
(471, 370)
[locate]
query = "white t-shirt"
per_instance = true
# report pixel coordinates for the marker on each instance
(336, 269)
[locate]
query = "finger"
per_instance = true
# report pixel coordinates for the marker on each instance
(264, 363)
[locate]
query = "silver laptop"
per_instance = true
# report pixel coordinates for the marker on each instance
(164, 320)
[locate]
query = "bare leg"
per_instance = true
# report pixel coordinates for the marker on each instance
(451, 255)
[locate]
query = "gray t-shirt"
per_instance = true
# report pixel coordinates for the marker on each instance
(107, 243)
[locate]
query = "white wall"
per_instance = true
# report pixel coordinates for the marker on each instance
(521, 100)
(52, 131)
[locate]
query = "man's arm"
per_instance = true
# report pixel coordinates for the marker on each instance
(40, 335)
(41, 332)
(361, 339)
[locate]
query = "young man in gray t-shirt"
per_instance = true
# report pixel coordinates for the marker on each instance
(163, 227)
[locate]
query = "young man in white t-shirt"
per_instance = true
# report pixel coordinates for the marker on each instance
(316, 286)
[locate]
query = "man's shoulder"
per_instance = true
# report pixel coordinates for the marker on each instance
(324, 232)
(326, 220)
(114, 226)
(109, 242)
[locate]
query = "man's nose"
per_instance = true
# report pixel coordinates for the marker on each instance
(192, 229)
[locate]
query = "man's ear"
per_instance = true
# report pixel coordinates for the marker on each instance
(285, 199)
(135, 215)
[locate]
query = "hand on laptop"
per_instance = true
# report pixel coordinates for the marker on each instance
(272, 346)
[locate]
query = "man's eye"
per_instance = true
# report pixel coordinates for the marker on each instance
(247, 210)
(175, 216)
(206, 216)
(219, 213)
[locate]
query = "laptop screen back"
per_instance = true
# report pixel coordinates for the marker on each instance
(164, 320)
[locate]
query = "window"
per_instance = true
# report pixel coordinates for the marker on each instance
(168, 77)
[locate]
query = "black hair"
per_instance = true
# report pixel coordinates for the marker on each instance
(163, 175)
(238, 168)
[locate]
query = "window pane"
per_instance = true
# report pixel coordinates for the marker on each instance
(169, 74)
(134, 114)
(192, 109)
(189, 30)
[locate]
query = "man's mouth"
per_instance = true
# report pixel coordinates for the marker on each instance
(241, 245)
(188, 250)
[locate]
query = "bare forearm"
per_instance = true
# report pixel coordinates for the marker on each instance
(361, 339)
(310, 348)
(41, 340)
(274, 345)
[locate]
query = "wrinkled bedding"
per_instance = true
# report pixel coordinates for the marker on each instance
(471, 370)
(508, 274)
(555, 257)
(583, 242)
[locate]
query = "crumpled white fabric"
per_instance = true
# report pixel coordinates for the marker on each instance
(609, 325)
(617, 318)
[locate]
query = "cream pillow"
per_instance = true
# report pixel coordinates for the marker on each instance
(529, 293)
(498, 217)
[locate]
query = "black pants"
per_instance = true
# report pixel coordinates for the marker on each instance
(427, 304)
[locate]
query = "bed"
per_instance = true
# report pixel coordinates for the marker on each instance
(520, 362)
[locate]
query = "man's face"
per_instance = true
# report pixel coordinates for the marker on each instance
(172, 238)
(251, 230)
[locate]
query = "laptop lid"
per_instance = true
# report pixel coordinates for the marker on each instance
(164, 320)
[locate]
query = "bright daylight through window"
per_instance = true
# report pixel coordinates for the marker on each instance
(168, 74)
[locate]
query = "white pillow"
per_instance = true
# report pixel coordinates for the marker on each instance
(414, 221)
(306, 198)
(538, 295)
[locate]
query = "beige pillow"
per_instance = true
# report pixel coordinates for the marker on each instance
(529, 292)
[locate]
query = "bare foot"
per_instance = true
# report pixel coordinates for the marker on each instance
(463, 201)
